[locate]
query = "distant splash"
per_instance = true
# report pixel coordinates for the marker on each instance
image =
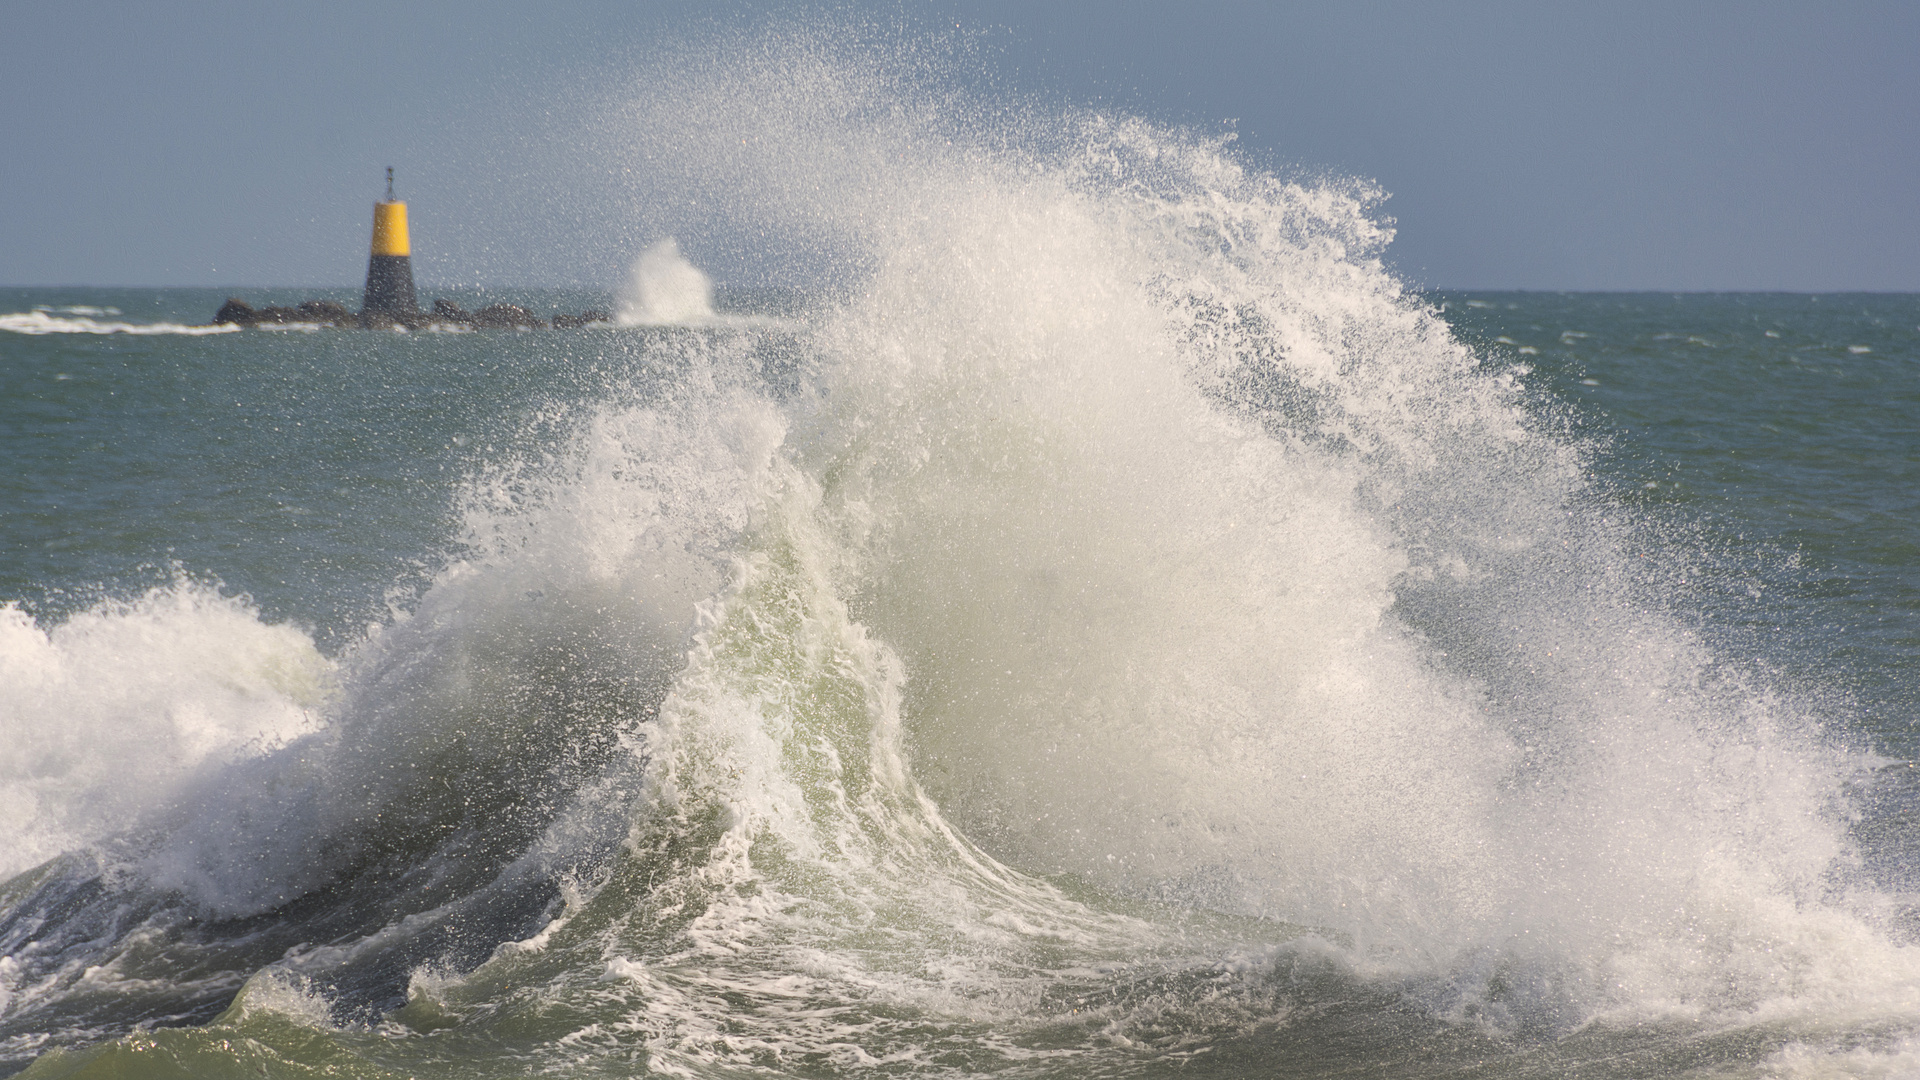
(81, 320)
(664, 289)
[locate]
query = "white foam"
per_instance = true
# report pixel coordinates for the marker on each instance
(43, 322)
(1894, 1059)
(1216, 567)
(109, 711)
(664, 289)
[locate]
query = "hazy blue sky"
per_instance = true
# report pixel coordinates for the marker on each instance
(1760, 145)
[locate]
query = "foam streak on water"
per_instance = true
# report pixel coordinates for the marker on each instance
(42, 322)
(1126, 633)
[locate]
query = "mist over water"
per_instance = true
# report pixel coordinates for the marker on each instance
(1118, 629)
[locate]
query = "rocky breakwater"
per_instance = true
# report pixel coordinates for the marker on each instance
(445, 313)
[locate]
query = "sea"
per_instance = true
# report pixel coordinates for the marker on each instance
(1109, 625)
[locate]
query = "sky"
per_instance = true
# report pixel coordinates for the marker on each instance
(1585, 146)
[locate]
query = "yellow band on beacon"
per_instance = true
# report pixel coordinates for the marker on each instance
(390, 229)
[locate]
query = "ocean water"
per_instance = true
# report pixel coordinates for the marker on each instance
(1108, 625)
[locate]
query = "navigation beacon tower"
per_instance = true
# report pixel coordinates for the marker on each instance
(390, 260)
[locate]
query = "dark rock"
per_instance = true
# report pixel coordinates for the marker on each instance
(595, 315)
(235, 311)
(573, 322)
(506, 317)
(326, 312)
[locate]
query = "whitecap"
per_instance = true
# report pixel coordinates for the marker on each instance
(41, 321)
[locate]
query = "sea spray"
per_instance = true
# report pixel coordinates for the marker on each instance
(516, 674)
(110, 711)
(1220, 572)
(664, 289)
(802, 860)
(1174, 572)
(1122, 631)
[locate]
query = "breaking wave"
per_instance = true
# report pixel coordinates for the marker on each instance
(1127, 627)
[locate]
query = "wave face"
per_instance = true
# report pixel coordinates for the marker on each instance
(1127, 633)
